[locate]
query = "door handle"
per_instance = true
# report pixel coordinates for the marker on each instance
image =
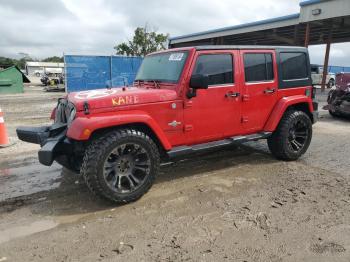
(232, 94)
(269, 91)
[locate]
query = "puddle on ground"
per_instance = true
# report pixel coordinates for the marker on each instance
(26, 230)
(21, 180)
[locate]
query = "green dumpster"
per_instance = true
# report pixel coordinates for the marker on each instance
(11, 80)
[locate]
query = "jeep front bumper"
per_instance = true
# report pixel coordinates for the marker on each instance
(52, 140)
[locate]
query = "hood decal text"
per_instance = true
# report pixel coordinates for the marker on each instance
(125, 100)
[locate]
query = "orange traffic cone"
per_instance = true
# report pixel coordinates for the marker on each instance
(4, 139)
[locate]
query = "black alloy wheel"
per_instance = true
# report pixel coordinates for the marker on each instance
(121, 165)
(127, 167)
(292, 137)
(298, 135)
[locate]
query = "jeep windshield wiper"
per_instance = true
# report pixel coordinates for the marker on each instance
(139, 81)
(156, 82)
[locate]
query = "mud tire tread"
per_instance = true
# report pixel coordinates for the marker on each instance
(277, 143)
(94, 158)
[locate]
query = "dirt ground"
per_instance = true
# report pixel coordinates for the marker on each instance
(237, 204)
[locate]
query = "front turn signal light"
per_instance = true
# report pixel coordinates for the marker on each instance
(86, 132)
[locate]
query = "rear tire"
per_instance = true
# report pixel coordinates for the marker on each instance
(121, 165)
(292, 137)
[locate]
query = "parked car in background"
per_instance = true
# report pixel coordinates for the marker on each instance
(317, 73)
(57, 72)
(339, 96)
(38, 73)
(49, 71)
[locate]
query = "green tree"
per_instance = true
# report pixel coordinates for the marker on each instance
(143, 43)
(55, 59)
(5, 61)
(21, 63)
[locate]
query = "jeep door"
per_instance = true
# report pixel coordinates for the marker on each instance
(213, 113)
(259, 91)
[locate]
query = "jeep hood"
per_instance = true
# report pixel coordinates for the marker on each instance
(118, 97)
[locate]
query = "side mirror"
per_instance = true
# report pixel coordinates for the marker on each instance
(199, 81)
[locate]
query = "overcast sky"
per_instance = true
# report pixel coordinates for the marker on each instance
(44, 28)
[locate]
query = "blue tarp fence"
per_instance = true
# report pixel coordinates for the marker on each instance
(338, 69)
(92, 72)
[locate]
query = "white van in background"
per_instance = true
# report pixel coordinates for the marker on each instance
(316, 75)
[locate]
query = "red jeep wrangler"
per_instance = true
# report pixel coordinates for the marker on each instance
(183, 101)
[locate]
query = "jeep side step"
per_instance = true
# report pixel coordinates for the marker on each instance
(184, 150)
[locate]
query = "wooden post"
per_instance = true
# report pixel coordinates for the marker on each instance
(295, 36)
(326, 58)
(307, 35)
(325, 65)
(220, 40)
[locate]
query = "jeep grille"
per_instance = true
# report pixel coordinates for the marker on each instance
(65, 111)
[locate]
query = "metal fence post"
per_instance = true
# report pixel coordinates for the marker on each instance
(111, 73)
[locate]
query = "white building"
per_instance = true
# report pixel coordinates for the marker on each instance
(37, 68)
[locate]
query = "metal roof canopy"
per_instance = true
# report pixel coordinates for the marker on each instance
(319, 22)
(322, 17)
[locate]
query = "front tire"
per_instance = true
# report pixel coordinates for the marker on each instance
(121, 165)
(292, 137)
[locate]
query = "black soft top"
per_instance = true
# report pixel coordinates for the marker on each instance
(279, 51)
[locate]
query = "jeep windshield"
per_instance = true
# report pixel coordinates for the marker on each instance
(163, 67)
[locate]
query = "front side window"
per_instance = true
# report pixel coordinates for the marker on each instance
(294, 66)
(218, 67)
(163, 67)
(258, 67)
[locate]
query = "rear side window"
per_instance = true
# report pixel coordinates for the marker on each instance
(218, 67)
(293, 65)
(258, 67)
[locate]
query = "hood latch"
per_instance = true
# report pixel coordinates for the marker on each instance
(86, 108)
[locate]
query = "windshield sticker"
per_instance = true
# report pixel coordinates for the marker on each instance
(176, 57)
